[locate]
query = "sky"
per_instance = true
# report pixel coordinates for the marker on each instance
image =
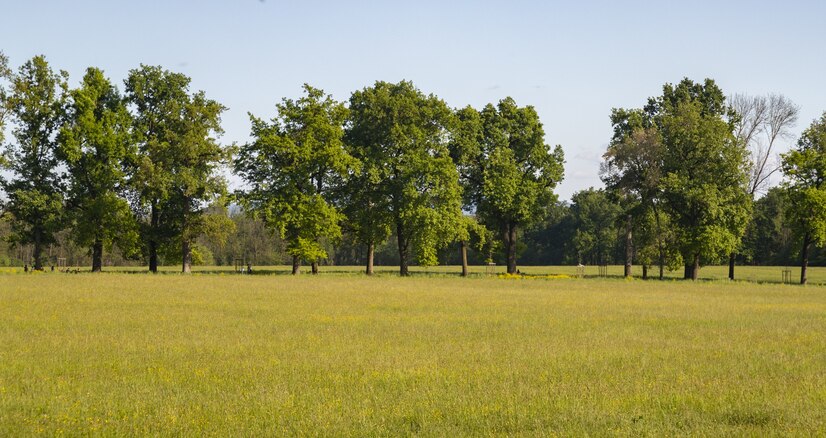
(572, 61)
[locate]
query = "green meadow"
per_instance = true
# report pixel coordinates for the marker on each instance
(433, 354)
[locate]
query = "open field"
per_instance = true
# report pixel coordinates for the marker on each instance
(234, 355)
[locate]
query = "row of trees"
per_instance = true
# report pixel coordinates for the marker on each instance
(133, 170)
(686, 169)
(142, 171)
(139, 170)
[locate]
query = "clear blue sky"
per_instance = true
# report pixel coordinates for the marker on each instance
(573, 61)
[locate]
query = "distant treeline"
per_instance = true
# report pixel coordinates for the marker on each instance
(95, 175)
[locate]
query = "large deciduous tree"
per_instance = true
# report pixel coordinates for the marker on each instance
(291, 167)
(511, 171)
(408, 181)
(631, 172)
(35, 103)
(805, 170)
(176, 174)
(678, 161)
(95, 144)
(705, 171)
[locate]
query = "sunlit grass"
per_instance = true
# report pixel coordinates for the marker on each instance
(234, 355)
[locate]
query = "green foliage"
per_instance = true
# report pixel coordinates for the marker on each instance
(805, 170)
(408, 181)
(95, 144)
(679, 157)
(595, 218)
(519, 171)
(291, 166)
(769, 239)
(176, 172)
(508, 170)
(35, 103)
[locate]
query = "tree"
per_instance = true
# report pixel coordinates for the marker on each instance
(761, 122)
(94, 145)
(408, 181)
(768, 239)
(291, 166)
(704, 172)
(465, 145)
(176, 174)
(805, 171)
(511, 171)
(34, 187)
(632, 171)
(595, 218)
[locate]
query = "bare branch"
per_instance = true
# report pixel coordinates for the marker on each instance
(773, 116)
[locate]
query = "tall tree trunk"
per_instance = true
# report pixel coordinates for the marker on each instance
(464, 258)
(510, 247)
(644, 271)
(153, 243)
(695, 268)
(370, 252)
(660, 244)
(97, 255)
(314, 267)
(186, 245)
(731, 265)
(186, 256)
(403, 251)
(296, 265)
(37, 264)
(629, 248)
(804, 258)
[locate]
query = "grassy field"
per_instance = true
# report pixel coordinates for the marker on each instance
(230, 355)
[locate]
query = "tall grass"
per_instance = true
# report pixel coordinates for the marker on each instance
(125, 354)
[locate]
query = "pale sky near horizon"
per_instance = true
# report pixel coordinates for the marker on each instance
(573, 61)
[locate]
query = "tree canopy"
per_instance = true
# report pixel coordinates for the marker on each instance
(510, 171)
(805, 170)
(409, 183)
(34, 189)
(96, 144)
(292, 166)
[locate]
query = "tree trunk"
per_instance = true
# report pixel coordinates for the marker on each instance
(510, 247)
(695, 268)
(403, 254)
(731, 265)
(370, 251)
(97, 255)
(660, 245)
(153, 244)
(804, 258)
(629, 248)
(687, 271)
(464, 258)
(186, 256)
(314, 267)
(296, 265)
(37, 263)
(644, 272)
